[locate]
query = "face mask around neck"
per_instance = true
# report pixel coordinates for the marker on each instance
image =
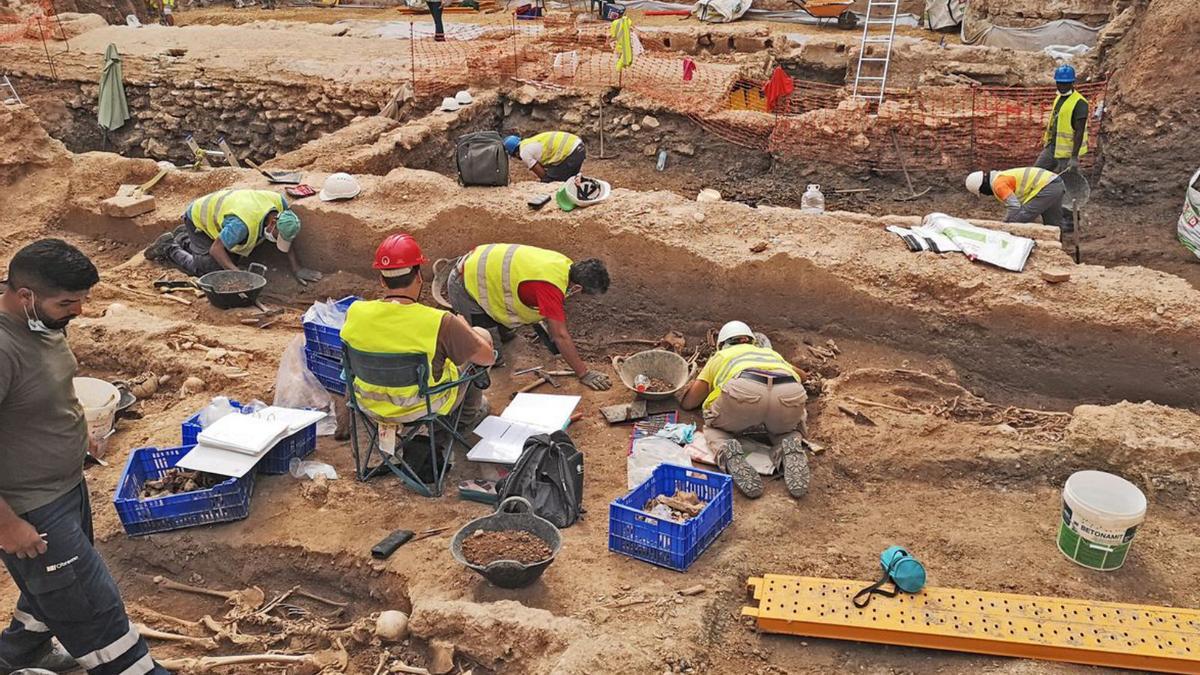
(35, 322)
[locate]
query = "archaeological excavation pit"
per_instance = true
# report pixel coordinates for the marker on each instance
(949, 400)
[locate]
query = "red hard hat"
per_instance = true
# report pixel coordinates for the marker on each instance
(399, 251)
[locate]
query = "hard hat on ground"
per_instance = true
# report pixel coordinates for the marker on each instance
(974, 182)
(397, 255)
(733, 329)
(449, 104)
(339, 186)
(511, 143)
(288, 226)
(1064, 73)
(464, 97)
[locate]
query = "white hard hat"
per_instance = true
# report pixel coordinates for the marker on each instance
(449, 104)
(339, 186)
(733, 329)
(464, 97)
(974, 181)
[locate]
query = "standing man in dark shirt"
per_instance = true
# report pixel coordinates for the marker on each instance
(45, 516)
(1065, 138)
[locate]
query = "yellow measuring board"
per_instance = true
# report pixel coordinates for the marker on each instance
(1162, 639)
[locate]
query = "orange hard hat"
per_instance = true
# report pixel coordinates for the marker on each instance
(399, 251)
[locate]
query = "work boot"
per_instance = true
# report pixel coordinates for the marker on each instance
(55, 660)
(795, 467)
(744, 476)
(157, 252)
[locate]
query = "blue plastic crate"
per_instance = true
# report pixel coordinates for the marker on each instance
(635, 533)
(327, 370)
(324, 340)
(226, 501)
(276, 462)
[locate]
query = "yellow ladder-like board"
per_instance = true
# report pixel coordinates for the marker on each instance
(1162, 639)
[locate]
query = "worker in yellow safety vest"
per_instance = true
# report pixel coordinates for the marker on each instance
(551, 155)
(747, 387)
(505, 286)
(231, 222)
(1065, 139)
(1028, 192)
(399, 324)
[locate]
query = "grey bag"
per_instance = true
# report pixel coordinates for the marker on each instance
(481, 159)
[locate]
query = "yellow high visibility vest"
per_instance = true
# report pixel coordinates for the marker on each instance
(492, 273)
(383, 327)
(556, 145)
(1030, 181)
(252, 206)
(731, 361)
(1060, 126)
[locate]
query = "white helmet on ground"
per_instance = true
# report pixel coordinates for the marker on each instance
(339, 186)
(464, 97)
(733, 329)
(449, 104)
(974, 181)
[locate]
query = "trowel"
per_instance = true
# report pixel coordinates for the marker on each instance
(1078, 192)
(280, 177)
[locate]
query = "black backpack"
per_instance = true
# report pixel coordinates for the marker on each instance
(549, 474)
(481, 159)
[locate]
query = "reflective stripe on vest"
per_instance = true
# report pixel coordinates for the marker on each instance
(1030, 181)
(730, 362)
(1060, 126)
(383, 327)
(492, 274)
(556, 145)
(251, 206)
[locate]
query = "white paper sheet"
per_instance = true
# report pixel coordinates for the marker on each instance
(503, 437)
(243, 433)
(220, 461)
(294, 418)
(552, 411)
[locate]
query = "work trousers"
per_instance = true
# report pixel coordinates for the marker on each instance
(1047, 161)
(68, 593)
(1047, 203)
(570, 167)
(191, 251)
(463, 304)
(748, 406)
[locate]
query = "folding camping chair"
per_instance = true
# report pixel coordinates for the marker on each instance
(405, 370)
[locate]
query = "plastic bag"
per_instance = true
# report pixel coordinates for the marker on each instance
(218, 408)
(311, 469)
(297, 387)
(326, 313)
(648, 453)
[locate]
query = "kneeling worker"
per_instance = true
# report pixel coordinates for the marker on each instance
(553, 156)
(506, 286)
(399, 324)
(1028, 192)
(231, 222)
(745, 388)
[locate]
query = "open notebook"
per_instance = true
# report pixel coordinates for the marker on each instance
(234, 444)
(503, 437)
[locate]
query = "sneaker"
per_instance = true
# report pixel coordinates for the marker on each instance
(157, 252)
(744, 476)
(796, 474)
(56, 660)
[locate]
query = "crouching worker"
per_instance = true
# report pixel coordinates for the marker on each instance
(226, 223)
(399, 324)
(1027, 192)
(745, 389)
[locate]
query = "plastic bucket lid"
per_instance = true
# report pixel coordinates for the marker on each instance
(1106, 495)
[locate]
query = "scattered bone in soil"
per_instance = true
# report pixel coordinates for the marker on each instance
(176, 481)
(680, 507)
(658, 386)
(483, 548)
(232, 285)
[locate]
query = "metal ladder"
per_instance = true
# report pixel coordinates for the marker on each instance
(11, 97)
(879, 28)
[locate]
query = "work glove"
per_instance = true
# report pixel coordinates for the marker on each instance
(1073, 165)
(306, 276)
(596, 380)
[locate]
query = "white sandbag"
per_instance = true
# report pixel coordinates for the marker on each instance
(1189, 219)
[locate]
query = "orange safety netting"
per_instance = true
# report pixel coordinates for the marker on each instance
(950, 127)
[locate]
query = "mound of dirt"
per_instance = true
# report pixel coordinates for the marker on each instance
(1151, 145)
(25, 145)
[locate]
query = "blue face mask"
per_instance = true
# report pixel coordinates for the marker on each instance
(905, 572)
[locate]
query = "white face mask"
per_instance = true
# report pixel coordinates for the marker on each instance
(270, 237)
(34, 322)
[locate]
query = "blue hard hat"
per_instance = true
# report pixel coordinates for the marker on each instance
(511, 143)
(1064, 74)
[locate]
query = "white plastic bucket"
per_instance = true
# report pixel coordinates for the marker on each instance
(99, 400)
(1100, 516)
